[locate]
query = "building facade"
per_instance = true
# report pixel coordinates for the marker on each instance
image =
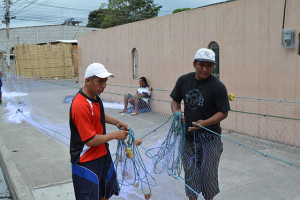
(254, 62)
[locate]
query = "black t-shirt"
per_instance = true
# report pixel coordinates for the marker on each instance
(202, 99)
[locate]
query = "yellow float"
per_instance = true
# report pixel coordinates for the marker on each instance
(129, 153)
(231, 97)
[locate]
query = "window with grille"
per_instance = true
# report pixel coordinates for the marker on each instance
(299, 45)
(135, 63)
(215, 47)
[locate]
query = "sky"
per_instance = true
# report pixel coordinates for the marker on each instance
(52, 12)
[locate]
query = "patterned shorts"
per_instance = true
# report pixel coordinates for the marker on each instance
(202, 175)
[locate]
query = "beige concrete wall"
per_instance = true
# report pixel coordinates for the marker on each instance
(252, 61)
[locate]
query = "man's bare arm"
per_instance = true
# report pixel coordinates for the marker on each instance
(102, 139)
(175, 106)
(216, 118)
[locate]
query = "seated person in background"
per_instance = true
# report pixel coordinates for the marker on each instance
(143, 91)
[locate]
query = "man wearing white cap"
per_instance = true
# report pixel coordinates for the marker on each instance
(93, 171)
(205, 105)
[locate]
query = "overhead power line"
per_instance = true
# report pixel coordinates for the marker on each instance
(67, 8)
(47, 11)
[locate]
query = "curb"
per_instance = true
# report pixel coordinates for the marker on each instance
(12, 175)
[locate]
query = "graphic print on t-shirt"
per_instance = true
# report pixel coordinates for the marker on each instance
(194, 99)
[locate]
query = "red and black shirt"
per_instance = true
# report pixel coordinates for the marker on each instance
(87, 119)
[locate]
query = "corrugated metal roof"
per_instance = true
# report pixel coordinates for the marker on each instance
(67, 41)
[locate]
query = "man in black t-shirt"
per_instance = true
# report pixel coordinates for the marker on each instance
(205, 104)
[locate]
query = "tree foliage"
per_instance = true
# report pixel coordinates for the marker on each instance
(118, 12)
(180, 10)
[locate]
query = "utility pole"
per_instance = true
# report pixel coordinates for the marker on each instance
(7, 20)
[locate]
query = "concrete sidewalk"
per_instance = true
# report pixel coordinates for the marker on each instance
(32, 160)
(38, 167)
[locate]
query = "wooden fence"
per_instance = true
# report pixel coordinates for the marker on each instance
(44, 61)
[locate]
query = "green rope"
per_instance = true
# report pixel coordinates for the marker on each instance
(164, 90)
(137, 87)
(158, 127)
(136, 97)
(171, 150)
(260, 99)
(265, 115)
(247, 147)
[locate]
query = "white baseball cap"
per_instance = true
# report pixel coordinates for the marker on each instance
(205, 55)
(97, 69)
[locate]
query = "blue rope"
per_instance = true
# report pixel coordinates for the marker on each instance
(167, 150)
(158, 127)
(170, 172)
(171, 150)
(141, 175)
(259, 152)
(173, 162)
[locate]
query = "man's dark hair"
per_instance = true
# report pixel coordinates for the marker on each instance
(144, 80)
(92, 77)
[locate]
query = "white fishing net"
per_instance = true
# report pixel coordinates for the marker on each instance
(249, 167)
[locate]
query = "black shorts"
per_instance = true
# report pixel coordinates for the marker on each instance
(95, 179)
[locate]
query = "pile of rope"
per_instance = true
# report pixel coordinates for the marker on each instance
(168, 157)
(130, 164)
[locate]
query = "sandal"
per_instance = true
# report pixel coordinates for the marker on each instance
(134, 114)
(123, 111)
